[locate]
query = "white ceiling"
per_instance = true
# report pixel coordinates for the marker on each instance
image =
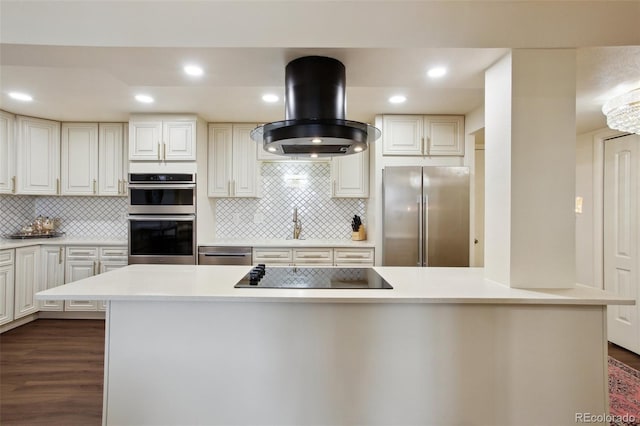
(96, 80)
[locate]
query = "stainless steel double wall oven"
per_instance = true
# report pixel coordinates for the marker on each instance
(162, 218)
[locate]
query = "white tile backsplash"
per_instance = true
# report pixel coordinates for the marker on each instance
(80, 216)
(305, 185)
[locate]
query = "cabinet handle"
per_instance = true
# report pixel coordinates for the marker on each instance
(94, 186)
(229, 188)
(158, 151)
(95, 266)
(13, 184)
(58, 186)
(164, 151)
(60, 257)
(119, 191)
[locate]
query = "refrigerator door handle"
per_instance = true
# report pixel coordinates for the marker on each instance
(420, 234)
(425, 233)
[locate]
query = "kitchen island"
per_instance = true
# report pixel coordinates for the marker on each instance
(444, 346)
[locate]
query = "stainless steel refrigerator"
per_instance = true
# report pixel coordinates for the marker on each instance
(425, 216)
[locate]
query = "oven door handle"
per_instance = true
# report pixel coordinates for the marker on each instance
(163, 186)
(183, 218)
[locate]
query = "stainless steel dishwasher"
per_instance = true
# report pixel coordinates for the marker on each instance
(213, 255)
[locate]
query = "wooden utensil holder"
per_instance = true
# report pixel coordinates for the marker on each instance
(360, 235)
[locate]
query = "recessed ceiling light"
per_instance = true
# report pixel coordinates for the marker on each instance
(193, 70)
(437, 72)
(316, 140)
(145, 99)
(397, 99)
(271, 98)
(21, 96)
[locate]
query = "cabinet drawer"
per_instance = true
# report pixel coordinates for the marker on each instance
(6, 257)
(113, 252)
(82, 252)
(271, 255)
(313, 256)
(346, 255)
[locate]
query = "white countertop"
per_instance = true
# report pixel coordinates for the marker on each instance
(410, 285)
(6, 243)
(285, 242)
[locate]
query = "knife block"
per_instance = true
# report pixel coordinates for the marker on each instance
(360, 235)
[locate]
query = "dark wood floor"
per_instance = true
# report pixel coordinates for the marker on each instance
(51, 372)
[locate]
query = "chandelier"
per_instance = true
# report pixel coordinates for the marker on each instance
(623, 112)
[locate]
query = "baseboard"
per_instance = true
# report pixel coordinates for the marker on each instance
(51, 315)
(17, 323)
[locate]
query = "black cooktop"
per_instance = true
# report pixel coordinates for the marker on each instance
(313, 277)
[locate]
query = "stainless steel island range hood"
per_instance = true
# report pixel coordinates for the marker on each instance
(315, 124)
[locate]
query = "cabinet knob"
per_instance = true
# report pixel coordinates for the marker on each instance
(94, 187)
(13, 184)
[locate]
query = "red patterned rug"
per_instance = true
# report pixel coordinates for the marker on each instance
(624, 394)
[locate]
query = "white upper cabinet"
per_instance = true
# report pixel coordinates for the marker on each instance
(79, 159)
(38, 156)
(162, 139)
(232, 166)
(7, 153)
(112, 176)
(92, 159)
(350, 176)
(179, 140)
(433, 135)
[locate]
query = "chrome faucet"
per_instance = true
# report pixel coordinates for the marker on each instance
(297, 224)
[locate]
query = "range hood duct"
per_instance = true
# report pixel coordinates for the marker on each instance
(315, 124)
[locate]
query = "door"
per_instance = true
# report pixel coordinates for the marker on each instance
(444, 135)
(179, 140)
(7, 284)
(111, 177)
(77, 270)
(144, 140)
(27, 277)
(244, 161)
(402, 135)
(38, 156)
(446, 216)
(79, 159)
(52, 275)
(402, 216)
(219, 162)
(7, 156)
(350, 176)
(479, 209)
(621, 229)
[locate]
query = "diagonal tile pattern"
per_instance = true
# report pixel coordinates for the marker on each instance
(305, 185)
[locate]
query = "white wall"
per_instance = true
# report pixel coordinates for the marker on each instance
(584, 220)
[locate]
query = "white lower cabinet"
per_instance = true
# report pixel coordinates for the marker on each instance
(27, 278)
(52, 275)
(84, 262)
(317, 256)
(313, 256)
(353, 256)
(7, 283)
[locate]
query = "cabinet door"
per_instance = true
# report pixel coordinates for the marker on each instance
(402, 135)
(110, 159)
(79, 159)
(75, 270)
(38, 156)
(444, 135)
(27, 277)
(106, 266)
(219, 163)
(244, 162)
(7, 283)
(313, 256)
(350, 176)
(52, 275)
(145, 138)
(179, 139)
(7, 154)
(353, 257)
